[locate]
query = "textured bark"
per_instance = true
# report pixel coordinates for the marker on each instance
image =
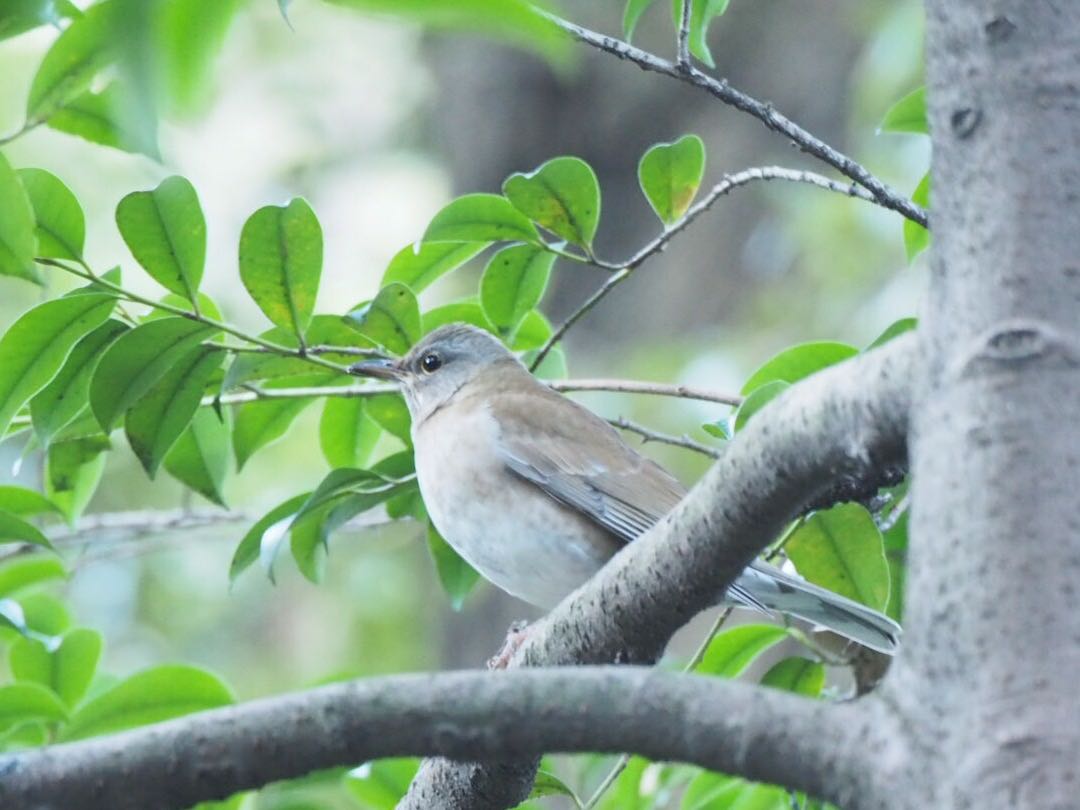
(987, 681)
(764, 733)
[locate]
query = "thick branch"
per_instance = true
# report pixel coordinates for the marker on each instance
(846, 422)
(763, 111)
(760, 733)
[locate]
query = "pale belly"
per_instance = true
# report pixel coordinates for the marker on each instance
(517, 537)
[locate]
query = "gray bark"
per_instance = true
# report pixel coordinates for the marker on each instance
(987, 681)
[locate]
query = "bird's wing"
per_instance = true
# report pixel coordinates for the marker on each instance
(580, 460)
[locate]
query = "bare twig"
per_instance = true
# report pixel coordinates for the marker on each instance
(622, 271)
(882, 194)
(650, 435)
(683, 50)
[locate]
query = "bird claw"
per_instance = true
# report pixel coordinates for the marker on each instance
(515, 637)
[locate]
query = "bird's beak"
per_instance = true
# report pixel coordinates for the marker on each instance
(383, 369)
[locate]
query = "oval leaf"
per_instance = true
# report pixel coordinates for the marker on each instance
(166, 233)
(28, 702)
(758, 399)
(148, 697)
(200, 457)
(156, 420)
(797, 362)
(35, 347)
(281, 252)
(842, 549)
(670, 174)
(13, 529)
(18, 243)
(467, 310)
(456, 576)
(799, 675)
(480, 218)
(421, 263)
(908, 114)
(563, 196)
(67, 396)
(513, 283)
(23, 502)
(257, 424)
(732, 651)
(916, 237)
(61, 226)
(247, 552)
(72, 472)
(391, 320)
(346, 434)
(137, 360)
(97, 117)
(75, 58)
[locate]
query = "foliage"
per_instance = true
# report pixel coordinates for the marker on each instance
(199, 396)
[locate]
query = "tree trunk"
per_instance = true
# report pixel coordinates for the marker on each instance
(987, 682)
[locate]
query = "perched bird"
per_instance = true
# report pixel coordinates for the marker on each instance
(536, 492)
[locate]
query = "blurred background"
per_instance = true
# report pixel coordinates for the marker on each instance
(378, 124)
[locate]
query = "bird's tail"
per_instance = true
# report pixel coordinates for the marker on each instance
(769, 587)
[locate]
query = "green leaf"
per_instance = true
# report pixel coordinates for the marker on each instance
(328, 330)
(26, 571)
(166, 233)
(480, 218)
(513, 283)
(72, 471)
(61, 226)
(548, 784)
(380, 785)
(723, 429)
(247, 552)
(841, 549)
(207, 307)
(200, 457)
(347, 435)
(13, 529)
(17, 16)
(532, 333)
(895, 329)
(562, 195)
(732, 651)
(66, 671)
(257, 424)
(797, 362)
(670, 174)
(281, 252)
(96, 117)
(711, 791)
(191, 33)
(391, 320)
(28, 702)
(156, 420)
(66, 397)
(150, 696)
(916, 237)
(70, 65)
(418, 265)
(799, 675)
(467, 310)
(392, 415)
(455, 575)
(45, 614)
(758, 399)
(35, 347)
(908, 114)
(702, 13)
(518, 21)
(25, 502)
(18, 242)
(552, 367)
(345, 481)
(631, 15)
(133, 364)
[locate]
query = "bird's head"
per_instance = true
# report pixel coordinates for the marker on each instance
(437, 367)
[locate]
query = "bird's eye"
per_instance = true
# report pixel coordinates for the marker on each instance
(430, 362)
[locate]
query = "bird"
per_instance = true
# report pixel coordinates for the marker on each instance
(537, 493)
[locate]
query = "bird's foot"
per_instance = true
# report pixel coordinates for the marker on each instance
(515, 637)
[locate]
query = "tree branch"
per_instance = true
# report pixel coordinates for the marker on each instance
(727, 184)
(845, 422)
(764, 112)
(683, 41)
(650, 435)
(757, 732)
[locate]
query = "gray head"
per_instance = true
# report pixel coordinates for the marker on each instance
(439, 365)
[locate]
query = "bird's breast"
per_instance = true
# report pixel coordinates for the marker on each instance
(509, 530)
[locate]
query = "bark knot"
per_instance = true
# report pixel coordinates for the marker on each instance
(999, 29)
(1013, 344)
(964, 121)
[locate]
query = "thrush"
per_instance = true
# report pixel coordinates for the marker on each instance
(536, 492)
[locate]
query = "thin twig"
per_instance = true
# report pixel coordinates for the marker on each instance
(683, 50)
(622, 271)
(653, 436)
(719, 88)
